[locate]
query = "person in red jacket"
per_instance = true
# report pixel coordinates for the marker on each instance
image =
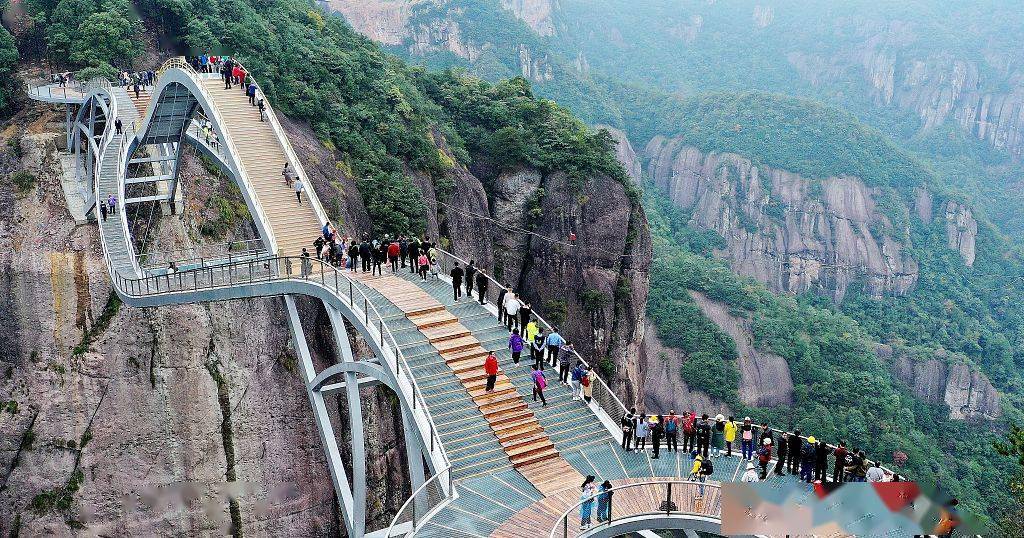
(689, 431)
(393, 251)
(491, 368)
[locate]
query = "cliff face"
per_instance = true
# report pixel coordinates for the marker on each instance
(984, 96)
(938, 380)
(792, 233)
(134, 420)
(598, 285)
(536, 13)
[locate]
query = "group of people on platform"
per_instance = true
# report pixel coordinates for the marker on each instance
(371, 255)
(705, 439)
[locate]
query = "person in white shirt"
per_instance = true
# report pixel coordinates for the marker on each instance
(511, 306)
(299, 187)
(876, 473)
(750, 475)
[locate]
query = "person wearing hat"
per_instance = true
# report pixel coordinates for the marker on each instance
(718, 436)
(750, 475)
(764, 456)
(807, 457)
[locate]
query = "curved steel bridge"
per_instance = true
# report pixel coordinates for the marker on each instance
(480, 463)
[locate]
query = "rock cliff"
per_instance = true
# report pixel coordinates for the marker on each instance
(147, 421)
(961, 230)
(793, 233)
(942, 378)
(984, 96)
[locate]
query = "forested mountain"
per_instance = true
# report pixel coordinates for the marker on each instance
(860, 162)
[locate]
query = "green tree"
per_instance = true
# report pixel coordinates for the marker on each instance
(8, 62)
(1010, 520)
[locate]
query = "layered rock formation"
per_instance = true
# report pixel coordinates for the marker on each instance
(536, 13)
(961, 230)
(945, 379)
(793, 233)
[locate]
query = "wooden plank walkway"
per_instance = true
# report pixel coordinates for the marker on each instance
(523, 439)
(538, 519)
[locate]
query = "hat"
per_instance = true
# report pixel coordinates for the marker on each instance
(746, 418)
(767, 441)
(700, 458)
(812, 440)
(750, 465)
(719, 418)
(653, 420)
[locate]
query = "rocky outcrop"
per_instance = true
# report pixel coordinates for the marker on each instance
(941, 378)
(793, 233)
(536, 13)
(764, 377)
(983, 96)
(665, 389)
(624, 153)
(961, 230)
(150, 421)
(384, 21)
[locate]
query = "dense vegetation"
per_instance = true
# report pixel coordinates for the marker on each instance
(842, 388)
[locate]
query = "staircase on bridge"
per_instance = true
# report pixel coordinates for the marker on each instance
(262, 158)
(119, 251)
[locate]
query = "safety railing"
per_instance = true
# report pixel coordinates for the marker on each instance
(642, 499)
(602, 394)
(42, 90)
(427, 498)
(225, 142)
(203, 255)
(282, 269)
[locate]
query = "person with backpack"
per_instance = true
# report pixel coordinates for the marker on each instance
(537, 350)
(807, 456)
(627, 422)
(643, 431)
(672, 431)
(780, 464)
(730, 436)
(689, 431)
(577, 376)
(703, 436)
(539, 384)
(718, 436)
(764, 456)
(515, 343)
(747, 439)
(657, 432)
(588, 388)
(839, 471)
(491, 369)
(698, 474)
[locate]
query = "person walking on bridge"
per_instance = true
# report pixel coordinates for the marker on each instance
(537, 349)
(414, 255)
(481, 286)
(491, 369)
(393, 251)
(515, 343)
(424, 263)
(250, 90)
(403, 249)
(576, 377)
(117, 126)
(262, 106)
(525, 313)
(502, 291)
(288, 173)
(539, 384)
(299, 187)
(554, 343)
(470, 274)
(511, 306)
(456, 274)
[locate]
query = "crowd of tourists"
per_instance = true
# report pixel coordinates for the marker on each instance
(375, 255)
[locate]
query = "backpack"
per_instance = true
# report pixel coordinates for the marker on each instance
(670, 426)
(706, 467)
(585, 381)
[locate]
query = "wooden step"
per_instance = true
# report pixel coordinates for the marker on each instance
(457, 344)
(498, 411)
(534, 457)
(524, 450)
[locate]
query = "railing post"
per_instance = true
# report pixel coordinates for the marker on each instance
(668, 499)
(366, 312)
(350, 296)
(380, 326)
(565, 526)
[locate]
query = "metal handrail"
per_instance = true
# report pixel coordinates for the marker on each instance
(289, 151)
(605, 397)
(215, 251)
(665, 507)
(269, 269)
(410, 503)
(179, 62)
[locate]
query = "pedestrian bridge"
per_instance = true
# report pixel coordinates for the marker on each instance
(480, 464)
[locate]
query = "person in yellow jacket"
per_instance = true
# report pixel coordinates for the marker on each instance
(730, 435)
(698, 473)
